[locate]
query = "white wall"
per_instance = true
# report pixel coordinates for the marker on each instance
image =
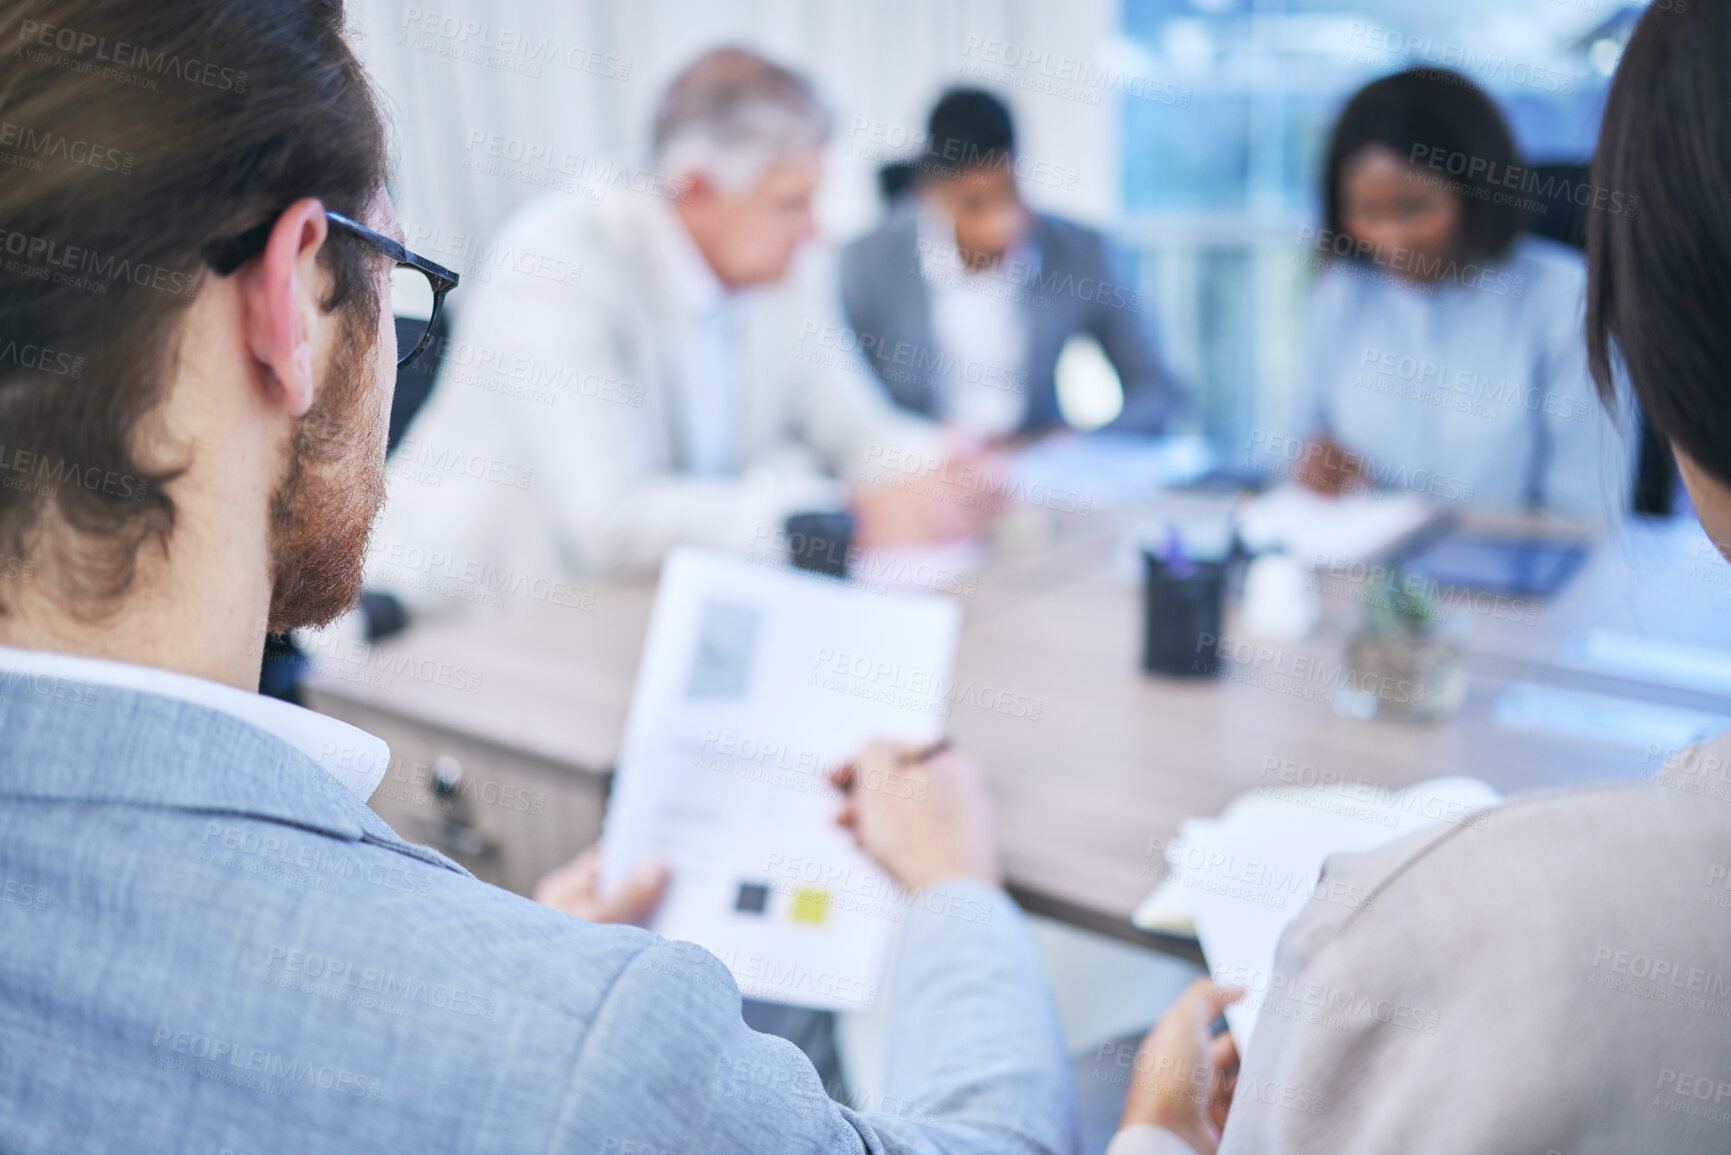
(458, 83)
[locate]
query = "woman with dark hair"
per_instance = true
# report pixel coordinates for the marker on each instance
(1554, 974)
(1445, 352)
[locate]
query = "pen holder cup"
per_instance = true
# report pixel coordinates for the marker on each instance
(819, 542)
(1181, 615)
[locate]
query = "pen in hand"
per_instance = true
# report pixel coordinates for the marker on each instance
(843, 776)
(923, 813)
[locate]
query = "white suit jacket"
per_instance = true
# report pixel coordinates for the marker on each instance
(552, 445)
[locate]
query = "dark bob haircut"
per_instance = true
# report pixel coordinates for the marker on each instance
(1432, 118)
(1659, 279)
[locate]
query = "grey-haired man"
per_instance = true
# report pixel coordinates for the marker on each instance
(687, 381)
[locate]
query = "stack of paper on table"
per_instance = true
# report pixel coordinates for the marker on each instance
(1331, 532)
(756, 682)
(1235, 881)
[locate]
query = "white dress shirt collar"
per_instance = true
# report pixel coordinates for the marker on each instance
(352, 756)
(978, 328)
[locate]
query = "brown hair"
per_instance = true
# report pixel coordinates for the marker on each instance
(132, 134)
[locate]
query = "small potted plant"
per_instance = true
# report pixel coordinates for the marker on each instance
(1405, 661)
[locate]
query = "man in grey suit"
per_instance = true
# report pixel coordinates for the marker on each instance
(207, 941)
(1553, 975)
(963, 299)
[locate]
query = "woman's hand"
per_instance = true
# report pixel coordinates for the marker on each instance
(1329, 467)
(1183, 1078)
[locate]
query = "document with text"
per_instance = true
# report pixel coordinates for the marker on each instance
(755, 683)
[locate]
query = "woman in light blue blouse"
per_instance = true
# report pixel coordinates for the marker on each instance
(1446, 352)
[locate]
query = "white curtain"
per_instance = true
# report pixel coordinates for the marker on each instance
(566, 88)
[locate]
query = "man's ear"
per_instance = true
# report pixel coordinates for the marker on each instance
(282, 292)
(697, 190)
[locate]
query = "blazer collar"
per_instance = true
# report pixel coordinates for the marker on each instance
(352, 756)
(78, 741)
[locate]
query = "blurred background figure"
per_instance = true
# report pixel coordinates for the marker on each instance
(965, 296)
(631, 374)
(1445, 352)
(1194, 133)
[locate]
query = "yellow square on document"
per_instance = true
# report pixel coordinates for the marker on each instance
(810, 904)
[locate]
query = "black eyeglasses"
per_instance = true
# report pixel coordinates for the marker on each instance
(418, 286)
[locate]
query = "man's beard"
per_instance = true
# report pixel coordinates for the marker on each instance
(322, 514)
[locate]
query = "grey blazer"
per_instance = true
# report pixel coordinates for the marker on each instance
(1079, 286)
(1553, 975)
(207, 943)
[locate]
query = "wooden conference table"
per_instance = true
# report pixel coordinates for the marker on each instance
(1093, 764)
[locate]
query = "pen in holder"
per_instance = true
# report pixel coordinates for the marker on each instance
(819, 542)
(1182, 602)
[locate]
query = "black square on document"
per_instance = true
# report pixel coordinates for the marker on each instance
(753, 897)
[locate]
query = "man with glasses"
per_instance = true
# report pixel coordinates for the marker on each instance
(207, 941)
(418, 286)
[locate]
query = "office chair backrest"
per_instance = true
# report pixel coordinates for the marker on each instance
(1559, 188)
(415, 383)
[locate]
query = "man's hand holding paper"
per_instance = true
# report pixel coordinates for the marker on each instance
(923, 819)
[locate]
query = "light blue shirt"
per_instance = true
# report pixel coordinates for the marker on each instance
(711, 389)
(1473, 389)
(208, 943)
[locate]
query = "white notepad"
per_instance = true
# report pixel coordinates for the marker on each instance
(1239, 879)
(1331, 532)
(755, 682)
